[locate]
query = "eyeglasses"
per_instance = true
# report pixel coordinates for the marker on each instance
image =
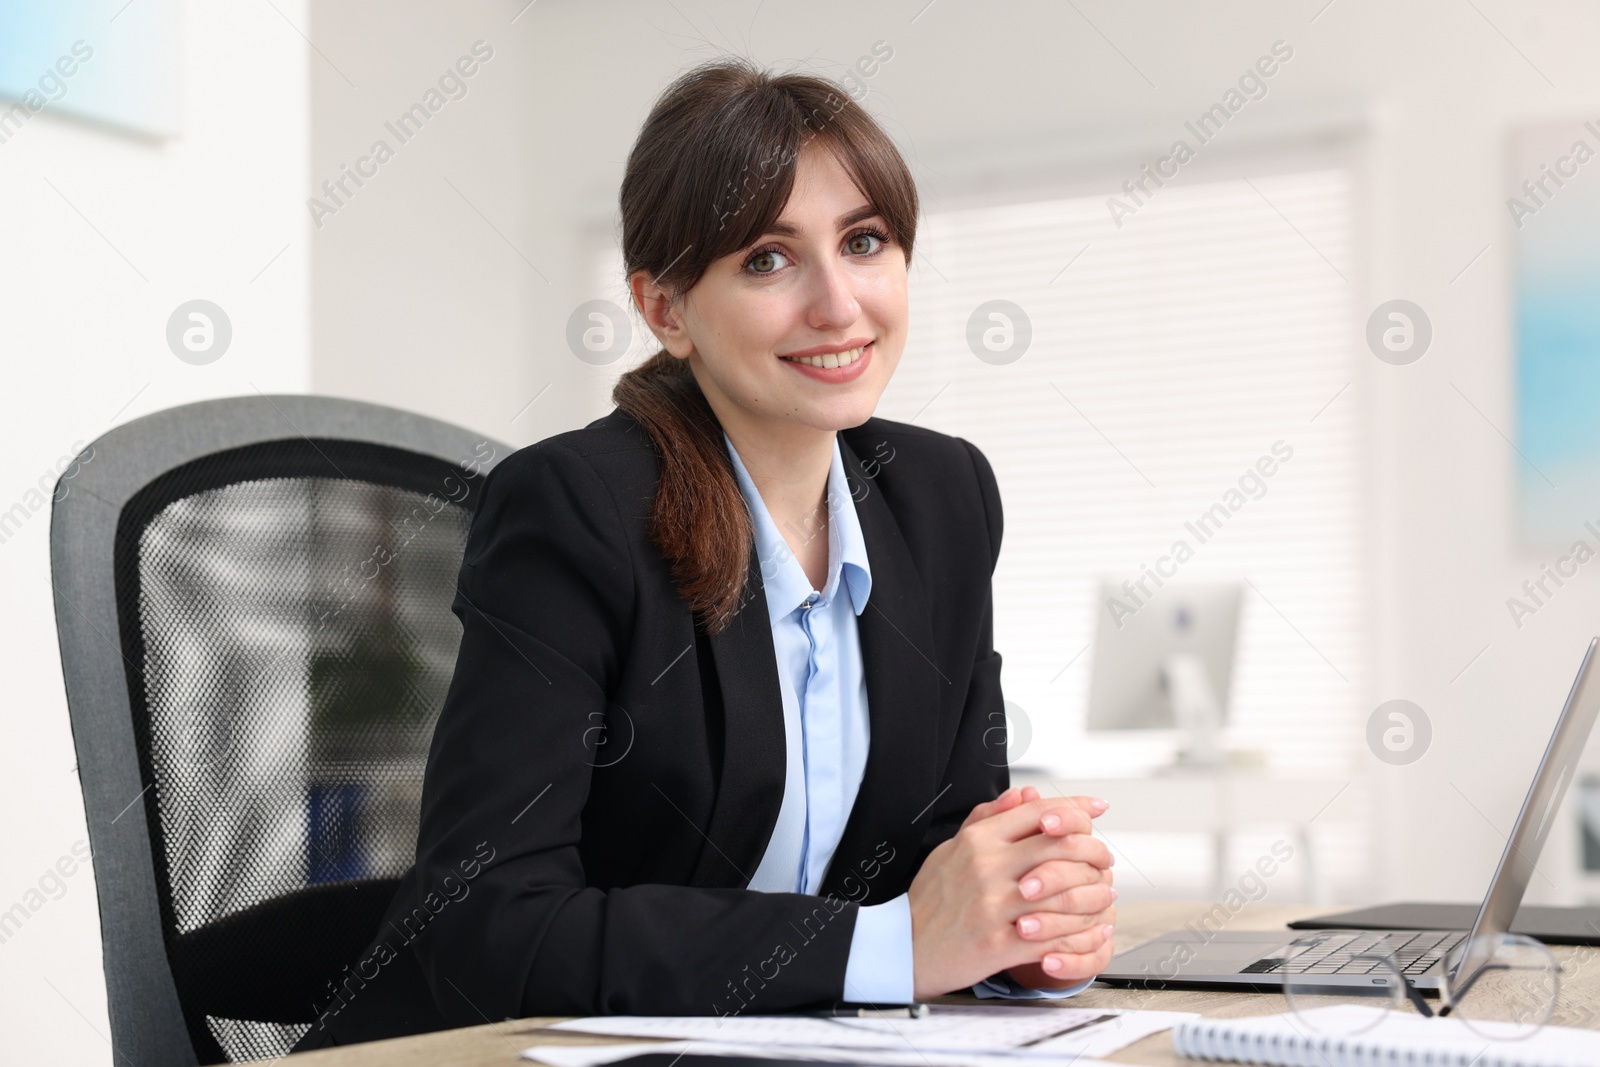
(1513, 981)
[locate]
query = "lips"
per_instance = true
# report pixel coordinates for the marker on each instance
(834, 367)
(831, 359)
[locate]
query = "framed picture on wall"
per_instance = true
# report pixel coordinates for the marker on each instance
(116, 63)
(1554, 209)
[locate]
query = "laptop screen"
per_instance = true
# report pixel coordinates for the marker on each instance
(1538, 812)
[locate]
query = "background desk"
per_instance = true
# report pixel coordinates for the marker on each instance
(499, 1044)
(1216, 803)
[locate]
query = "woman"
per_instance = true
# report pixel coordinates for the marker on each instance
(722, 731)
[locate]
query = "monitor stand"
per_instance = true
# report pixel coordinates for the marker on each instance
(1195, 709)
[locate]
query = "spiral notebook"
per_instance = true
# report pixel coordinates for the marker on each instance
(1356, 1036)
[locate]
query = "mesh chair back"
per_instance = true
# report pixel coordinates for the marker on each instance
(253, 705)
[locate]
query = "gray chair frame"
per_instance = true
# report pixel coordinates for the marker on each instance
(147, 1022)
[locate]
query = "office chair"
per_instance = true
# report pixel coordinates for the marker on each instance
(253, 599)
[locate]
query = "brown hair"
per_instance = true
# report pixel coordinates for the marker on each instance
(709, 174)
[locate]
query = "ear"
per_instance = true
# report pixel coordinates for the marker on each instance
(664, 318)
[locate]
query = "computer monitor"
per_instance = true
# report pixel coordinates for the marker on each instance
(1163, 659)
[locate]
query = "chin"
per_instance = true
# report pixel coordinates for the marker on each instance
(845, 414)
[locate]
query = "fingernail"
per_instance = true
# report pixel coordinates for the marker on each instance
(1107, 930)
(1050, 820)
(1028, 926)
(1113, 892)
(1099, 805)
(1031, 887)
(1053, 964)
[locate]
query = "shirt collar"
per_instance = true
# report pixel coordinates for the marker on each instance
(783, 579)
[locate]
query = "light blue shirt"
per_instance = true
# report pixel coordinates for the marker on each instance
(826, 732)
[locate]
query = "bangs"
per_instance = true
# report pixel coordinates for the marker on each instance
(728, 172)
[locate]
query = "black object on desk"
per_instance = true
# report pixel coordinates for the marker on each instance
(1553, 926)
(846, 1009)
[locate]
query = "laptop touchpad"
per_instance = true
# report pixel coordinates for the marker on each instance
(1180, 954)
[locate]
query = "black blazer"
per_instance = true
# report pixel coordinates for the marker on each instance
(604, 775)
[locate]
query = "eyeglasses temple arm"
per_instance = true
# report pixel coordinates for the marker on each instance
(1419, 1001)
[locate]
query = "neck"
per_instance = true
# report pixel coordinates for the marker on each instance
(789, 466)
(788, 463)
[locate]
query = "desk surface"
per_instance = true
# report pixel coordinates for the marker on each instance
(500, 1043)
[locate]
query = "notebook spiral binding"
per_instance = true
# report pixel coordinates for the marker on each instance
(1217, 1039)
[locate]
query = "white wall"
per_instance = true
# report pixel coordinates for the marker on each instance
(84, 348)
(421, 304)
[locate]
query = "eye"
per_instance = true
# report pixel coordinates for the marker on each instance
(866, 242)
(763, 260)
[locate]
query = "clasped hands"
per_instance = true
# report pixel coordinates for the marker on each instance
(1022, 887)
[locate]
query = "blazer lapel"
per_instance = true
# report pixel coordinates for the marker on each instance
(754, 751)
(904, 694)
(905, 689)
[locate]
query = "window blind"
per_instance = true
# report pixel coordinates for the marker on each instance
(1164, 361)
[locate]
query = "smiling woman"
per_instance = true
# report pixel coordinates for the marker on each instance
(827, 285)
(789, 638)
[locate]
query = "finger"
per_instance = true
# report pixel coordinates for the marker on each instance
(1091, 899)
(1078, 966)
(1082, 943)
(1047, 879)
(1059, 875)
(1056, 815)
(1063, 936)
(1004, 802)
(1051, 926)
(1030, 793)
(1087, 896)
(1093, 807)
(1080, 848)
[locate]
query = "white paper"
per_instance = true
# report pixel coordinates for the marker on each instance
(980, 1028)
(599, 1055)
(1103, 1039)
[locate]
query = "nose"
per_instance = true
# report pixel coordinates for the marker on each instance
(833, 304)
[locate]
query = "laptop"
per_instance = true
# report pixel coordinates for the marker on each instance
(1250, 959)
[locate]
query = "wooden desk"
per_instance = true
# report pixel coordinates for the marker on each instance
(499, 1044)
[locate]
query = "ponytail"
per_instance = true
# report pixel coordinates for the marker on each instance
(699, 521)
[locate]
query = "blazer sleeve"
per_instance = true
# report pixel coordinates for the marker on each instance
(977, 770)
(546, 599)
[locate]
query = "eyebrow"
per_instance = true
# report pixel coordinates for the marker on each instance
(849, 218)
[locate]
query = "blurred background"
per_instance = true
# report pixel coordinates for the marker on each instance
(1306, 287)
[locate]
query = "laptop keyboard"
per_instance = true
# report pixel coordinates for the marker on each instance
(1336, 953)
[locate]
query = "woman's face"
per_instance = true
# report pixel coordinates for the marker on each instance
(825, 280)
